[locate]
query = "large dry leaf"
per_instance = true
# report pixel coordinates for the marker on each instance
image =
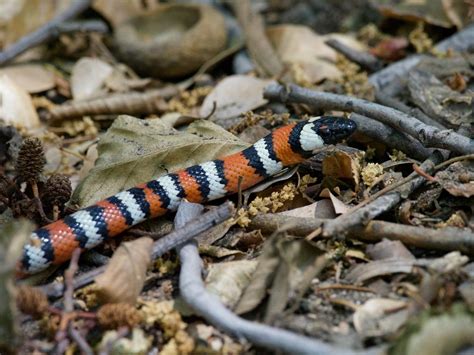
(16, 107)
(88, 77)
(30, 15)
(380, 316)
(299, 46)
(300, 262)
(124, 277)
(32, 78)
(444, 13)
(135, 151)
(229, 279)
(233, 96)
(448, 333)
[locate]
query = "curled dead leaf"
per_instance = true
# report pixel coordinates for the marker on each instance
(343, 165)
(233, 96)
(16, 107)
(380, 316)
(88, 77)
(124, 277)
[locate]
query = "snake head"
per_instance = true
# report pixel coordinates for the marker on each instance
(333, 129)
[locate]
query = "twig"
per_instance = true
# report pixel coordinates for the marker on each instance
(80, 341)
(423, 173)
(68, 313)
(384, 203)
(390, 79)
(258, 45)
(82, 26)
(44, 33)
(446, 239)
(194, 293)
(391, 137)
(364, 59)
(389, 101)
(429, 136)
(133, 103)
(161, 246)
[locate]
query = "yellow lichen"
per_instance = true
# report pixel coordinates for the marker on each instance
(455, 220)
(266, 204)
(371, 172)
(166, 266)
(397, 155)
(299, 76)
(188, 100)
(354, 80)
(420, 39)
(251, 119)
(164, 314)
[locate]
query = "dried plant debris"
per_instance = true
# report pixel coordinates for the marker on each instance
(367, 246)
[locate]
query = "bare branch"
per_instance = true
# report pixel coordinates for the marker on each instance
(44, 33)
(209, 306)
(429, 136)
(446, 239)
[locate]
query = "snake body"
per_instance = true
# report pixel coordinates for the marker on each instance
(89, 227)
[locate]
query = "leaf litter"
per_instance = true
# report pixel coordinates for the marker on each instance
(348, 291)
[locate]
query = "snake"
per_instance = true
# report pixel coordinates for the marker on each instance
(86, 228)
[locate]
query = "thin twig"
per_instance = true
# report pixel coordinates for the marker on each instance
(364, 59)
(44, 33)
(68, 313)
(445, 239)
(392, 138)
(384, 203)
(194, 293)
(429, 136)
(132, 103)
(390, 79)
(161, 246)
(258, 45)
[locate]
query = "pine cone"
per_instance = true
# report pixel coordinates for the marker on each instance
(31, 301)
(115, 315)
(57, 190)
(31, 160)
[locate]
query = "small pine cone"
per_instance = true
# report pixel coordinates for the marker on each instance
(31, 301)
(31, 160)
(116, 315)
(57, 190)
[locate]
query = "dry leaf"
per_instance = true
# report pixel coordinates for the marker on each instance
(444, 13)
(339, 206)
(376, 268)
(32, 78)
(301, 47)
(387, 249)
(124, 277)
(233, 96)
(88, 77)
(229, 279)
(380, 316)
(302, 212)
(135, 151)
(342, 165)
(31, 14)
(16, 107)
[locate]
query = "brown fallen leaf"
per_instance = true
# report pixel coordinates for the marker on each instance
(343, 165)
(339, 206)
(387, 249)
(32, 78)
(233, 96)
(458, 179)
(124, 277)
(88, 78)
(380, 316)
(228, 280)
(16, 107)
